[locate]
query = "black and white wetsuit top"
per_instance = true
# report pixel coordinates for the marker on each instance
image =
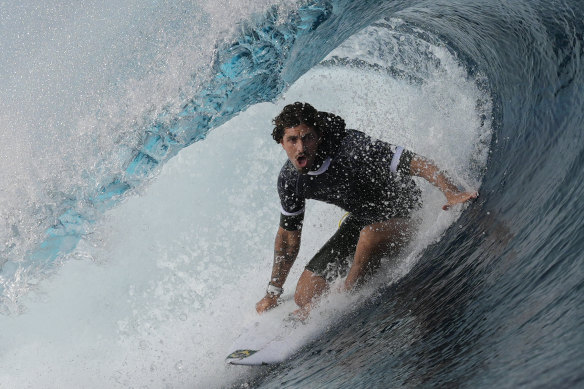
(367, 177)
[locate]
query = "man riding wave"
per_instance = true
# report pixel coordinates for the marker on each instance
(369, 178)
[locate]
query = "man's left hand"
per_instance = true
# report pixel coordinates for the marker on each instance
(459, 198)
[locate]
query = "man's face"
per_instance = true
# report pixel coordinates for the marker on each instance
(301, 144)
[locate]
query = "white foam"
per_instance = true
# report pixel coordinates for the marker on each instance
(77, 85)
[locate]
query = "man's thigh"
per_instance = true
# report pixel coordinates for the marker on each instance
(382, 239)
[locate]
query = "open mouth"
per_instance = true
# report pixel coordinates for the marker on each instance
(302, 161)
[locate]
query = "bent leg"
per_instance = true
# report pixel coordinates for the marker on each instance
(331, 260)
(375, 241)
(309, 288)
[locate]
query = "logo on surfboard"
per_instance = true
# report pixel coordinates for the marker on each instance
(240, 354)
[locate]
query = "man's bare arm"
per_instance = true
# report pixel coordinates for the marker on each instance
(286, 249)
(426, 169)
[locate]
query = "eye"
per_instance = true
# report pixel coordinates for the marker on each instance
(308, 137)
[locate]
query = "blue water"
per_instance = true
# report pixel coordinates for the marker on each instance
(494, 300)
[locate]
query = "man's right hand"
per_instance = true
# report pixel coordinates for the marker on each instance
(268, 302)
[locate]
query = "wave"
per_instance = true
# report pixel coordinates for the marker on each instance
(492, 91)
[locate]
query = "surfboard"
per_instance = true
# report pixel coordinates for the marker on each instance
(276, 351)
(270, 339)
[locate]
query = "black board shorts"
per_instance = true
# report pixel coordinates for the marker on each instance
(333, 259)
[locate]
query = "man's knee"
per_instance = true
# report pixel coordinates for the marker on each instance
(369, 239)
(309, 287)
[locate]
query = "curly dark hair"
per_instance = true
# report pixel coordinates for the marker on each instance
(327, 125)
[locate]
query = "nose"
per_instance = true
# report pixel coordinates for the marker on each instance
(300, 146)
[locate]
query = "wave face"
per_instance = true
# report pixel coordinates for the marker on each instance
(495, 302)
(119, 261)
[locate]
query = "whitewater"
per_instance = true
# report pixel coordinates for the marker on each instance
(139, 202)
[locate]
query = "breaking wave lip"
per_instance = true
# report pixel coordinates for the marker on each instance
(247, 70)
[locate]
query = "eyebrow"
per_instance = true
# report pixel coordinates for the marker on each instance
(310, 134)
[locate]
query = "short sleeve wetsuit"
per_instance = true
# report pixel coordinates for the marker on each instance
(368, 178)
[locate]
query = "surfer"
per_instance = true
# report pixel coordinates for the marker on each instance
(369, 178)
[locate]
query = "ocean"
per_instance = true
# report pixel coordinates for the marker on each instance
(139, 205)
